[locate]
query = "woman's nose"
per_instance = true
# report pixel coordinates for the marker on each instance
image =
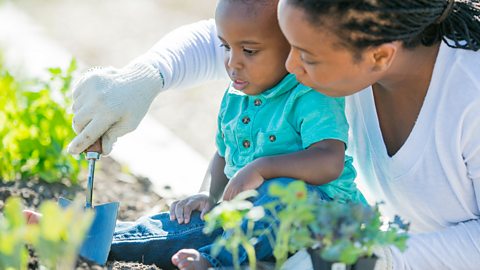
(293, 64)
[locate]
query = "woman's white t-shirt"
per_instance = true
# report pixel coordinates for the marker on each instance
(433, 181)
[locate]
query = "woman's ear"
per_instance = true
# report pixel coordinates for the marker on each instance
(382, 56)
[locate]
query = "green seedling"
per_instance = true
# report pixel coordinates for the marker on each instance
(35, 128)
(346, 232)
(341, 232)
(294, 212)
(229, 215)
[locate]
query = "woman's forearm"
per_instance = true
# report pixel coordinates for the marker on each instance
(187, 56)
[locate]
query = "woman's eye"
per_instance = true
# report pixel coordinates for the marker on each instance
(250, 52)
(308, 62)
(225, 46)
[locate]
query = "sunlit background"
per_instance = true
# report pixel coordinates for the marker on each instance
(112, 33)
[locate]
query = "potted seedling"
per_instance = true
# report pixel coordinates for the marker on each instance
(347, 233)
(337, 235)
(229, 215)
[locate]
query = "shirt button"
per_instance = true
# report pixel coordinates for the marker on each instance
(246, 143)
(257, 102)
(272, 138)
(246, 120)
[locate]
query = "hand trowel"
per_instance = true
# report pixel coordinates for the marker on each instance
(96, 245)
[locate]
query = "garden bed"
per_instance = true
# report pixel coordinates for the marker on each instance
(111, 184)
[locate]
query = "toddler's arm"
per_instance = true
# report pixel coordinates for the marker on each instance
(319, 164)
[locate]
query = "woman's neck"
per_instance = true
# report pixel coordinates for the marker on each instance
(400, 94)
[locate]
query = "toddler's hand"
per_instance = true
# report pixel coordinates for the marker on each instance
(181, 210)
(246, 178)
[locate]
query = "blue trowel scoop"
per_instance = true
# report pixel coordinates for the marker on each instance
(96, 245)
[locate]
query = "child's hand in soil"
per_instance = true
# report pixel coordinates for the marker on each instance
(246, 178)
(181, 210)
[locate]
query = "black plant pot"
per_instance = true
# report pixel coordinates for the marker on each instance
(320, 264)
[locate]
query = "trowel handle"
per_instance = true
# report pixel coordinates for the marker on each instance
(93, 154)
(96, 147)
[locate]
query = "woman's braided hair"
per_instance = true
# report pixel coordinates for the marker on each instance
(364, 23)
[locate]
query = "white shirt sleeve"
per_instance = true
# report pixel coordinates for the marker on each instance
(457, 246)
(188, 56)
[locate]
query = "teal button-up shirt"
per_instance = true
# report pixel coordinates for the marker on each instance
(284, 119)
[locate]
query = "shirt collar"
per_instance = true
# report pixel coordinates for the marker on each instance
(288, 83)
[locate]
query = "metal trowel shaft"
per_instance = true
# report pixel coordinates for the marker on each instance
(93, 154)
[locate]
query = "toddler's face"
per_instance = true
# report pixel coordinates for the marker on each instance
(255, 48)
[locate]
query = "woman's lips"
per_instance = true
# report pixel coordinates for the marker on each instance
(239, 84)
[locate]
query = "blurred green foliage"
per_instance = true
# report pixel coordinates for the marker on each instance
(35, 128)
(56, 238)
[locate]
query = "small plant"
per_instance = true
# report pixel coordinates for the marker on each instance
(36, 128)
(229, 216)
(13, 239)
(56, 238)
(346, 232)
(294, 212)
(338, 231)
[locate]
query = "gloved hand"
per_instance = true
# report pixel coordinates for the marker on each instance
(111, 102)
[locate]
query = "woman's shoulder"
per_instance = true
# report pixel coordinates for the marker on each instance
(466, 67)
(460, 74)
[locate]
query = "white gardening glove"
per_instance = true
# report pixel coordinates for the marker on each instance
(109, 103)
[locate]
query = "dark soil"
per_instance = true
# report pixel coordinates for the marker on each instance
(111, 184)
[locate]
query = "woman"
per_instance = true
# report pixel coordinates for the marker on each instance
(414, 105)
(414, 110)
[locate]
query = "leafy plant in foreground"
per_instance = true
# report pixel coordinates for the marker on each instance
(294, 212)
(13, 229)
(229, 215)
(346, 232)
(340, 232)
(56, 238)
(35, 128)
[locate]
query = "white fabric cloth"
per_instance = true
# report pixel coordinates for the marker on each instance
(188, 56)
(433, 181)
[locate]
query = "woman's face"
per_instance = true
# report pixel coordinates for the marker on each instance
(319, 60)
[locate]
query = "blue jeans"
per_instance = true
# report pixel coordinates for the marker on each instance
(155, 239)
